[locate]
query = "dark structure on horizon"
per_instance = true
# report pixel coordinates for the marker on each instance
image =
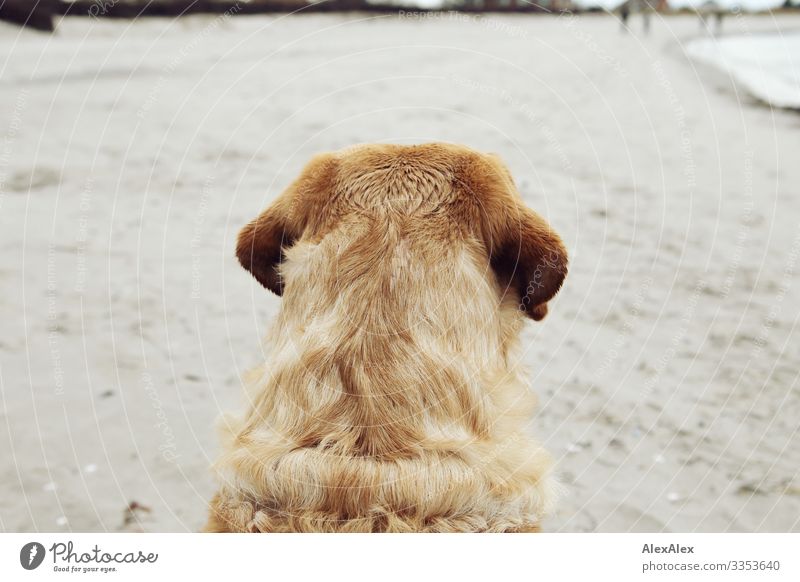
(36, 14)
(40, 14)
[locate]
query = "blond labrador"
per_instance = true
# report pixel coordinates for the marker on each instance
(392, 400)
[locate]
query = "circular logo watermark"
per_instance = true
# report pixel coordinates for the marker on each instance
(31, 555)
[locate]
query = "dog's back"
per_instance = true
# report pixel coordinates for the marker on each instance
(391, 400)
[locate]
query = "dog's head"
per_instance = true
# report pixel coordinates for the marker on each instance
(434, 187)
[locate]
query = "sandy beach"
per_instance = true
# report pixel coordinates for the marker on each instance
(132, 152)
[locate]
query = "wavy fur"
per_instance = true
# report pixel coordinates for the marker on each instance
(392, 399)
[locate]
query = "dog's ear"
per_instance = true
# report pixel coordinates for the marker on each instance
(526, 255)
(260, 245)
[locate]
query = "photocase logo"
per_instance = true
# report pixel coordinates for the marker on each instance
(31, 555)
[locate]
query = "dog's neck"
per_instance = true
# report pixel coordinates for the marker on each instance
(388, 341)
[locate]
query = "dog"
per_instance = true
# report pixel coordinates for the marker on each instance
(392, 399)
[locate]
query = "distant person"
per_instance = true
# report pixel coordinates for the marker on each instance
(646, 19)
(719, 16)
(624, 13)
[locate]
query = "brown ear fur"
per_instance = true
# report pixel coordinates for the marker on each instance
(259, 247)
(525, 253)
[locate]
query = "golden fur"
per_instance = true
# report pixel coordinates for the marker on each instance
(391, 400)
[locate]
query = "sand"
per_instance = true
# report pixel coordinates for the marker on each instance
(132, 152)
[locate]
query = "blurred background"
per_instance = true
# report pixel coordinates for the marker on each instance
(659, 138)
